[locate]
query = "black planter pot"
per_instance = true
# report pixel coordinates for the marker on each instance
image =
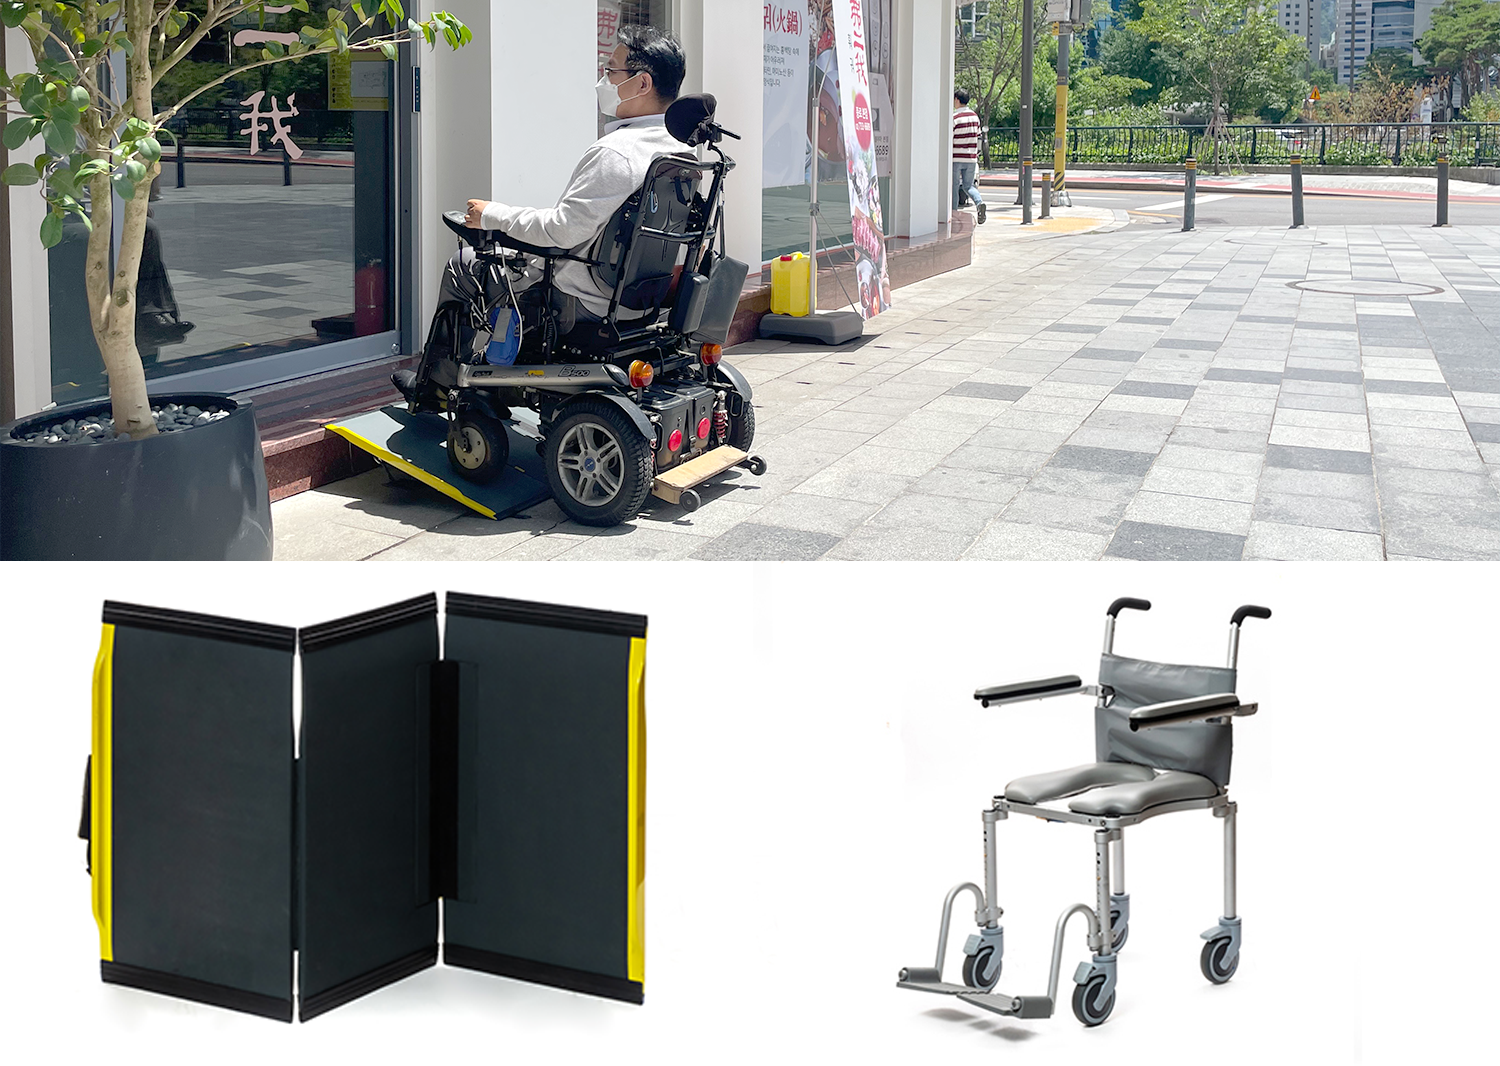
(196, 493)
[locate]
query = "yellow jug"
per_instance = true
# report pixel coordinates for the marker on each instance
(790, 277)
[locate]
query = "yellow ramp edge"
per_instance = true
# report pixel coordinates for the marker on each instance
(101, 785)
(635, 881)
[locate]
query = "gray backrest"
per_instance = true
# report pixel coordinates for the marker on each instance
(1197, 747)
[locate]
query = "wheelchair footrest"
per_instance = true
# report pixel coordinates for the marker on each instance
(673, 483)
(922, 979)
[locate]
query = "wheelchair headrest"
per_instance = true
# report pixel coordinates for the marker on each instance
(691, 118)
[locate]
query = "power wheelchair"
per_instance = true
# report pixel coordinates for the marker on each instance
(638, 402)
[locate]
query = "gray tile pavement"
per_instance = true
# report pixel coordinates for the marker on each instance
(1080, 397)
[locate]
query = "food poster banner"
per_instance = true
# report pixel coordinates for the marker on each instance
(787, 154)
(858, 137)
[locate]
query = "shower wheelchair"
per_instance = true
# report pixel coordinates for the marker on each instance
(640, 402)
(1163, 743)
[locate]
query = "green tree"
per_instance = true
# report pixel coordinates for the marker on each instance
(1131, 55)
(1227, 54)
(1464, 40)
(1391, 65)
(93, 136)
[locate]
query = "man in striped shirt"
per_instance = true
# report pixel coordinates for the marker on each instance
(965, 152)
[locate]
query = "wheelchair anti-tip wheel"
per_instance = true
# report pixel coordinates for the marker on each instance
(1216, 962)
(598, 464)
(478, 446)
(982, 969)
(1086, 1006)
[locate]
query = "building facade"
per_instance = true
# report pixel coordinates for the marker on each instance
(1361, 26)
(1300, 18)
(298, 227)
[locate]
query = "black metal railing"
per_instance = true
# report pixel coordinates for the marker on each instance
(1348, 144)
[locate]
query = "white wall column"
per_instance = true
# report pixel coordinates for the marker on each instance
(921, 34)
(723, 41)
(30, 383)
(945, 114)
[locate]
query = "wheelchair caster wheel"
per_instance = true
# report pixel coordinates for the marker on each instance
(478, 447)
(756, 465)
(690, 501)
(982, 969)
(1213, 961)
(1086, 1006)
(1118, 935)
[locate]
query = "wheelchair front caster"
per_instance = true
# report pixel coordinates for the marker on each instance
(1086, 1005)
(478, 446)
(1216, 962)
(982, 969)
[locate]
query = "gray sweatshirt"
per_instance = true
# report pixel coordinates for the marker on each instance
(610, 171)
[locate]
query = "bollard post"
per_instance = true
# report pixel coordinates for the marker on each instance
(181, 165)
(1297, 217)
(1442, 189)
(1025, 192)
(1047, 195)
(1189, 194)
(286, 166)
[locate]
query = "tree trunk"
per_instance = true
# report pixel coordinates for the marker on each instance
(112, 301)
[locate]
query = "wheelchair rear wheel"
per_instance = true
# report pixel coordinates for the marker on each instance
(598, 464)
(742, 429)
(478, 446)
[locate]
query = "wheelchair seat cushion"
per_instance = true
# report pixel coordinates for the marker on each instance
(1039, 788)
(1133, 797)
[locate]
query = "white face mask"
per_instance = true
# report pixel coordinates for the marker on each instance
(609, 97)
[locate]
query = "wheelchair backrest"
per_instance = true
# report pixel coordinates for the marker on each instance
(643, 242)
(1198, 747)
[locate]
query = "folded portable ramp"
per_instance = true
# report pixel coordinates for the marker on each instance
(507, 778)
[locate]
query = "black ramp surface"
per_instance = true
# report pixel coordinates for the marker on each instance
(202, 808)
(368, 914)
(544, 767)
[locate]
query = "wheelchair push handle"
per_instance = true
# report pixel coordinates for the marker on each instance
(1128, 603)
(1249, 611)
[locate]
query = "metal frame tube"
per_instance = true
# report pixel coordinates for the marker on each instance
(991, 916)
(1102, 839)
(1229, 861)
(1117, 859)
(1109, 634)
(1057, 942)
(1234, 646)
(942, 946)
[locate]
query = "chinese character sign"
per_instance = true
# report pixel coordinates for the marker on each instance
(857, 122)
(608, 26)
(257, 122)
(785, 156)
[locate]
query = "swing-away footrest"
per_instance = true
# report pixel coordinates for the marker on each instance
(925, 979)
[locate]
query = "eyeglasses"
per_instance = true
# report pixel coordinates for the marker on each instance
(623, 70)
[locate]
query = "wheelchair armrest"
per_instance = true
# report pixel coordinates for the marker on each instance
(1029, 690)
(483, 238)
(1193, 709)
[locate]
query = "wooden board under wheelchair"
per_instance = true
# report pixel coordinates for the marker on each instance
(417, 445)
(689, 475)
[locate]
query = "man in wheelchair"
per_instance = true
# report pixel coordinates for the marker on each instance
(604, 313)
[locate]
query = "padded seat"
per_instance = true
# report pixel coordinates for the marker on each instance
(1039, 788)
(1133, 797)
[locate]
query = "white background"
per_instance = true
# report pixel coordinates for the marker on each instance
(817, 769)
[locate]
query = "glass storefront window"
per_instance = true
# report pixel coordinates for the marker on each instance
(272, 223)
(792, 37)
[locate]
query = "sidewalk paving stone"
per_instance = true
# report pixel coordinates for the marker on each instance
(1127, 393)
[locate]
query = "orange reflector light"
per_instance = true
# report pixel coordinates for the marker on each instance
(703, 425)
(675, 440)
(711, 354)
(641, 374)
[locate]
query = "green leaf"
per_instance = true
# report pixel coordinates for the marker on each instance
(93, 46)
(124, 186)
(359, 10)
(149, 149)
(341, 35)
(52, 227)
(59, 137)
(18, 131)
(78, 97)
(388, 50)
(135, 170)
(34, 98)
(20, 174)
(276, 48)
